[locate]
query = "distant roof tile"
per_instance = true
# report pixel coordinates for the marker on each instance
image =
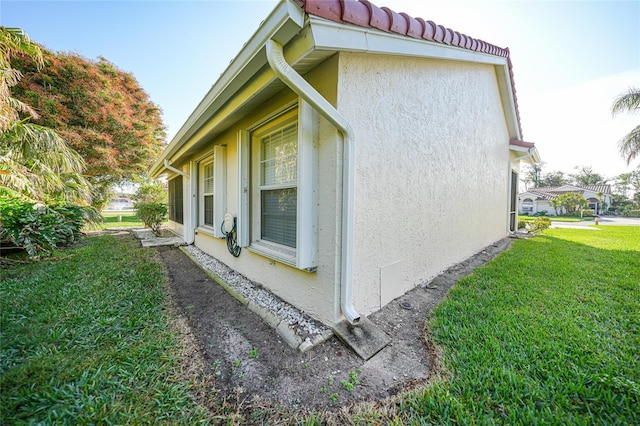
(365, 14)
(521, 143)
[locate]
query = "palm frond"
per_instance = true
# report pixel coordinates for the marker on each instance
(14, 41)
(627, 102)
(629, 145)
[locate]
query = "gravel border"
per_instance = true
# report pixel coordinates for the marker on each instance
(295, 326)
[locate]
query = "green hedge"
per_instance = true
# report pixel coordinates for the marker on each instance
(631, 213)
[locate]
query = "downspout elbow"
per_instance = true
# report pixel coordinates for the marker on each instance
(302, 88)
(173, 169)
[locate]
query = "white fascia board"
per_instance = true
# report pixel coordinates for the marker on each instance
(284, 22)
(329, 35)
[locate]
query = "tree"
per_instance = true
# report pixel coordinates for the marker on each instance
(556, 203)
(572, 202)
(102, 111)
(629, 145)
(554, 179)
(34, 160)
(533, 175)
(586, 176)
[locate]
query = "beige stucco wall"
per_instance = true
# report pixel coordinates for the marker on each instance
(314, 292)
(432, 168)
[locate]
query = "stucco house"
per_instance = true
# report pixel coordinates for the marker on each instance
(351, 145)
(537, 200)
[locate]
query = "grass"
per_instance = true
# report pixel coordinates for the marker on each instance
(547, 333)
(559, 218)
(85, 340)
(129, 219)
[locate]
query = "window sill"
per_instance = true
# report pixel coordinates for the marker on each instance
(206, 231)
(286, 255)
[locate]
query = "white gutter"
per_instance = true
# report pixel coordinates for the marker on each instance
(302, 88)
(173, 169)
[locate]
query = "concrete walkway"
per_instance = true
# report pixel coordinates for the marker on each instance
(603, 220)
(149, 239)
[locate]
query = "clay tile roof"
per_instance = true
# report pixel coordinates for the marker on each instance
(605, 189)
(521, 143)
(365, 14)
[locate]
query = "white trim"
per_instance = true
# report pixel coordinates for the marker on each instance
(330, 35)
(307, 221)
(244, 165)
(220, 188)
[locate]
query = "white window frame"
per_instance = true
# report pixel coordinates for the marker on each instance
(216, 158)
(304, 255)
(202, 194)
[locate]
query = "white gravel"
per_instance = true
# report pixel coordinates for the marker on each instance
(303, 324)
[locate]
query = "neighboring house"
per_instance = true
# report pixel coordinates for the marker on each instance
(354, 146)
(536, 200)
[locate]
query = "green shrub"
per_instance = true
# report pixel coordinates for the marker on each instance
(40, 228)
(522, 224)
(541, 213)
(631, 213)
(150, 193)
(540, 224)
(588, 212)
(152, 214)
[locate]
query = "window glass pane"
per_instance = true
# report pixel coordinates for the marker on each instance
(175, 200)
(278, 216)
(207, 174)
(208, 210)
(279, 162)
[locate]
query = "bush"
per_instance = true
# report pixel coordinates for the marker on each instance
(588, 212)
(631, 213)
(150, 193)
(522, 224)
(39, 228)
(152, 214)
(539, 225)
(541, 213)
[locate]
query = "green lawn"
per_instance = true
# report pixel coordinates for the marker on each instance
(127, 219)
(547, 333)
(85, 340)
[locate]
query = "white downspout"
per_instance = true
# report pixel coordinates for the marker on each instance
(173, 169)
(302, 88)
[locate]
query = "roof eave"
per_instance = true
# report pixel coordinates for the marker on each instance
(282, 24)
(335, 36)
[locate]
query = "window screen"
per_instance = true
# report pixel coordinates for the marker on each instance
(278, 185)
(207, 193)
(175, 200)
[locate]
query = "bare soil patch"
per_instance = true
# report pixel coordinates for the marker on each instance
(243, 360)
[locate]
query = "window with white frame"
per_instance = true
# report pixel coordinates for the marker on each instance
(206, 192)
(278, 196)
(278, 185)
(212, 190)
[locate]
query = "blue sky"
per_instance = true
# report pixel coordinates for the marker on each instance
(571, 58)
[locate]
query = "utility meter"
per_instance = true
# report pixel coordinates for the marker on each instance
(228, 224)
